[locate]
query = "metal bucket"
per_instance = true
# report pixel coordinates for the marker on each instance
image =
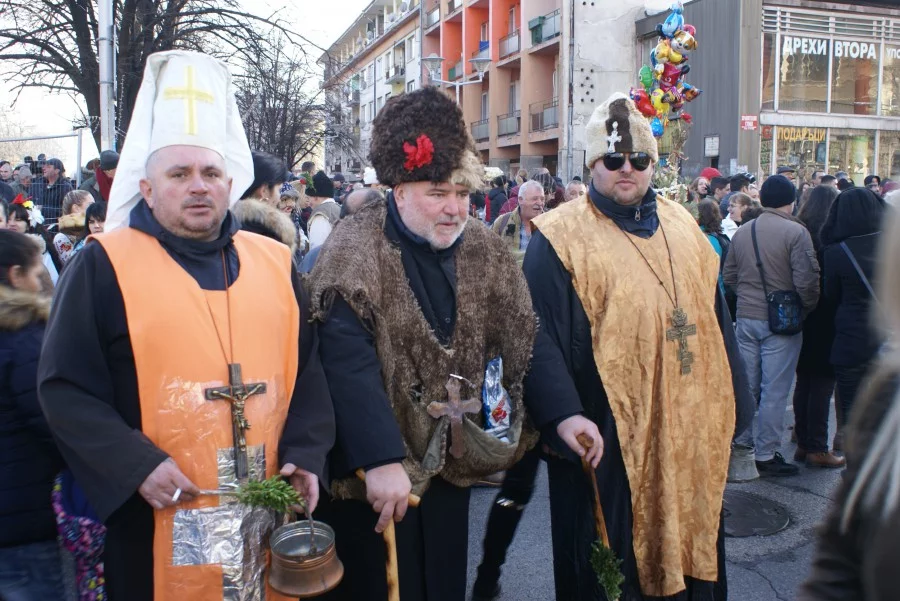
(297, 572)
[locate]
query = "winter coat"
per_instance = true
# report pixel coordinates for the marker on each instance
(788, 258)
(71, 231)
(29, 460)
(855, 341)
(496, 199)
(91, 185)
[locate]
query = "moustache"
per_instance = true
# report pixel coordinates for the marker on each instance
(202, 201)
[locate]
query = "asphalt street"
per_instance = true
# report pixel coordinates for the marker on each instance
(760, 568)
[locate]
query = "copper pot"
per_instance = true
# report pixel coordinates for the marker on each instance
(295, 570)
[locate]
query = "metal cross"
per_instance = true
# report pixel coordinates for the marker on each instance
(455, 409)
(191, 95)
(613, 138)
(679, 331)
(237, 394)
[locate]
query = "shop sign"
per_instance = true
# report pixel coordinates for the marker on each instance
(749, 122)
(801, 134)
(840, 49)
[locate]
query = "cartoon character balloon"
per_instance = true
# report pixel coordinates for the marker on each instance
(664, 90)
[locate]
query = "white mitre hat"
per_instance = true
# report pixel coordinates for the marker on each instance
(186, 98)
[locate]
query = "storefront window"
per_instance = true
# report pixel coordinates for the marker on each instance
(801, 147)
(769, 61)
(889, 155)
(803, 73)
(852, 151)
(854, 77)
(765, 150)
(890, 88)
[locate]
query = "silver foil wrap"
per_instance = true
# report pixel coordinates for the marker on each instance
(230, 535)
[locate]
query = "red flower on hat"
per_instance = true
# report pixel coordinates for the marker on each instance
(419, 154)
(19, 199)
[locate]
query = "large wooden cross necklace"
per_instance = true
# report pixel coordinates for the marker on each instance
(236, 392)
(680, 329)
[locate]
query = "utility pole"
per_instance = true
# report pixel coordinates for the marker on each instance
(105, 50)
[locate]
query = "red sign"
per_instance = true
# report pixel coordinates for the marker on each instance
(749, 122)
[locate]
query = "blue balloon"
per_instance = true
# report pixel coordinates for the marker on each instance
(673, 23)
(656, 127)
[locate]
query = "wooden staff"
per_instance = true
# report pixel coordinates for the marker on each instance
(587, 442)
(390, 547)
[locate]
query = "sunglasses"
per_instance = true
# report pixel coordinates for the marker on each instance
(616, 160)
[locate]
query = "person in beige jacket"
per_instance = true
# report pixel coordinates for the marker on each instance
(789, 262)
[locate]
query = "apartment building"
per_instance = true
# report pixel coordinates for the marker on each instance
(376, 58)
(551, 63)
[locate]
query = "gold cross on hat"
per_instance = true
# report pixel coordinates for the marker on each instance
(192, 95)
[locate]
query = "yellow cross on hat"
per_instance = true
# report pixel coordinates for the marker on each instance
(192, 95)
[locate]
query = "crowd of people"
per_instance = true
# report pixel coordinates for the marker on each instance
(208, 316)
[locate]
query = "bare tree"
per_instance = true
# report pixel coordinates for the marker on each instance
(13, 152)
(52, 44)
(281, 104)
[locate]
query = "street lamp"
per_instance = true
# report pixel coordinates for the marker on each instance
(433, 64)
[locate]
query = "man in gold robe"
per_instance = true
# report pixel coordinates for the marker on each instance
(624, 283)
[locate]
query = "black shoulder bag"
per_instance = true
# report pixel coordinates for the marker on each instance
(785, 306)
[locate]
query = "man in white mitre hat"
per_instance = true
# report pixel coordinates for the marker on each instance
(197, 366)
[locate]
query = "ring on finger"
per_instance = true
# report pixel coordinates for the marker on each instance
(177, 495)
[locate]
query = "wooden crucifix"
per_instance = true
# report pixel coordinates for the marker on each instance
(679, 331)
(237, 394)
(455, 409)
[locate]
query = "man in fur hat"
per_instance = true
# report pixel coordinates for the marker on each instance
(409, 328)
(624, 284)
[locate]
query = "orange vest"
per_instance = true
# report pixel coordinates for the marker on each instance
(177, 353)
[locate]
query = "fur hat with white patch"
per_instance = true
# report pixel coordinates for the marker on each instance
(617, 126)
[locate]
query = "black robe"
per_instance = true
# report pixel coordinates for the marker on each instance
(563, 319)
(88, 389)
(432, 541)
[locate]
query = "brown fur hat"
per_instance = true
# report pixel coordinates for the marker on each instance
(422, 137)
(617, 126)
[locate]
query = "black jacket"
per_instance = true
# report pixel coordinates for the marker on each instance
(496, 199)
(29, 460)
(855, 341)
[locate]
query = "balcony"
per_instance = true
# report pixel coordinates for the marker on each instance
(484, 50)
(456, 71)
(453, 6)
(509, 124)
(481, 130)
(354, 97)
(433, 17)
(397, 74)
(509, 45)
(544, 115)
(545, 28)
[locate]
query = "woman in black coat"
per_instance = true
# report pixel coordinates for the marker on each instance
(29, 556)
(815, 375)
(496, 198)
(851, 235)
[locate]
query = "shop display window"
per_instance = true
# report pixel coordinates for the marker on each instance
(801, 147)
(854, 77)
(770, 49)
(890, 85)
(803, 74)
(852, 151)
(889, 155)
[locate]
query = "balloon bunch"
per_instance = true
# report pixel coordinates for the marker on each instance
(663, 91)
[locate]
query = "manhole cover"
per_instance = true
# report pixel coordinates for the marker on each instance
(752, 515)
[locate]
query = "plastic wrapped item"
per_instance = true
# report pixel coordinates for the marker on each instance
(495, 402)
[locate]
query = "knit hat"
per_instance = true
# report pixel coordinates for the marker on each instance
(422, 137)
(617, 126)
(710, 172)
(322, 186)
(777, 191)
(109, 159)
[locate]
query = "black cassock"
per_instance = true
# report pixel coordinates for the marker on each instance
(564, 321)
(88, 389)
(432, 541)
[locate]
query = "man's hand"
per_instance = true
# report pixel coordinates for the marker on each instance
(387, 490)
(569, 429)
(161, 485)
(305, 483)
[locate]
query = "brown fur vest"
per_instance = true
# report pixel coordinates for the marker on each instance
(494, 318)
